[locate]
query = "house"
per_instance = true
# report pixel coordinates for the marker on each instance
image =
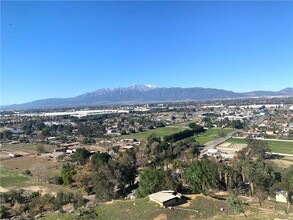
(213, 152)
(227, 156)
(281, 196)
(166, 198)
(14, 155)
(128, 147)
(16, 132)
(70, 151)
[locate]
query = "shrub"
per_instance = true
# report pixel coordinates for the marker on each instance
(27, 172)
(56, 180)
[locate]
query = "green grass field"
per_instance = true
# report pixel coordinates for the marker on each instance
(10, 178)
(159, 132)
(211, 135)
(275, 146)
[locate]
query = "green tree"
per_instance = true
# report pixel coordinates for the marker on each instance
(28, 128)
(46, 132)
(105, 179)
(4, 212)
(39, 125)
(237, 124)
(81, 156)
(258, 148)
(202, 176)
(67, 173)
(235, 203)
(287, 185)
(153, 180)
(197, 128)
(128, 168)
(100, 159)
(6, 135)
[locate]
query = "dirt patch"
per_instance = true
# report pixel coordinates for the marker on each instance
(231, 148)
(222, 193)
(161, 217)
(193, 196)
(43, 190)
(3, 190)
(283, 163)
(110, 202)
(93, 147)
(28, 162)
(187, 204)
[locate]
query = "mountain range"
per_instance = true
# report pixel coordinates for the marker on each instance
(137, 94)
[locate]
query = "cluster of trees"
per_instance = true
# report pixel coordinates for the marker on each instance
(6, 135)
(250, 174)
(209, 121)
(153, 180)
(91, 129)
(31, 127)
(195, 129)
(179, 136)
(99, 173)
(156, 151)
(88, 141)
(110, 178)
(35, 203)
(174, 165)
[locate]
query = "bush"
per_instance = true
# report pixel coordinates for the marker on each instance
(27, 172)
(23, 209)
(34, 194)
(56, 180)
(235, 203)
(4, 212)
(60, 157)
(40, 149)
(17, 196)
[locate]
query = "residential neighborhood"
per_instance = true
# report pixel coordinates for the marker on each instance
(163, 139)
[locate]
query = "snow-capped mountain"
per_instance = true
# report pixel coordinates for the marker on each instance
(135, 94)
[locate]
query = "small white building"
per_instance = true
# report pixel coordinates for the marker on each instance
(227, 156)
(70, 151)
(213, 152)
(281, 196)
(166, 198)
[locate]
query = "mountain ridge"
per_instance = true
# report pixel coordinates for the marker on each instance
(137, 94)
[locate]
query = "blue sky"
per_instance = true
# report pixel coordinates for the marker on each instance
(64, 49)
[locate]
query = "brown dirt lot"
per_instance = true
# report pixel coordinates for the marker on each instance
(29, 162)
(93, 147)
(231, 148)
(283, 163)
(161, 217)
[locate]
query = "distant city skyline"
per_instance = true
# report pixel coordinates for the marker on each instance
(64, 49)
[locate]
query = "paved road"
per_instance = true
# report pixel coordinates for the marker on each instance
(266, 139)
(285, 155)
(214, 143)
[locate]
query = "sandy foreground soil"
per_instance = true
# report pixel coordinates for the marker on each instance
(43, 190)
(3, 190)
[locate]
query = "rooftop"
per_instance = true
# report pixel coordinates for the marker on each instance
(164, 195)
